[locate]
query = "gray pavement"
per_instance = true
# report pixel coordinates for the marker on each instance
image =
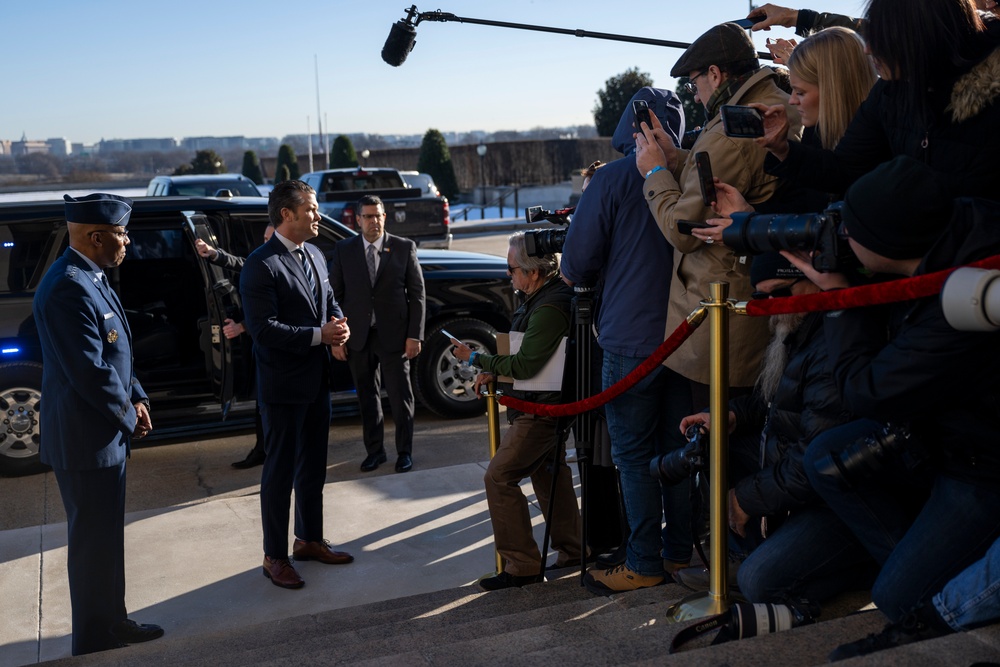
(196, 568)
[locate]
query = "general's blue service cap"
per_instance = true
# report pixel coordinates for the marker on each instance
(98, 209)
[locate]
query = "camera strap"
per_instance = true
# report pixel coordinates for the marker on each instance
(711, 624)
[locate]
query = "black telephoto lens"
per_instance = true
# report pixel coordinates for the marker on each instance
(865, 456)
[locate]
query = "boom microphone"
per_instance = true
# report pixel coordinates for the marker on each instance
(399, 43)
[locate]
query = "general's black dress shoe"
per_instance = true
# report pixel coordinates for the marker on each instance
(254, 458)
(404, 463)
(373, 461)
(130, 632)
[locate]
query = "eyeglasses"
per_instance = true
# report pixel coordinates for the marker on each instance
(691, 86)
(372, 216)
(121, 235)
(512, 269)
(779, 293)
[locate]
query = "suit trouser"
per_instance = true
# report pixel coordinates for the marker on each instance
(296, 437)
(526, 450)
(367, 365)
(95, 517)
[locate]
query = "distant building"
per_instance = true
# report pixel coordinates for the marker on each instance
(26, 147)
(4, 146)
(59, 146)
(136, 145)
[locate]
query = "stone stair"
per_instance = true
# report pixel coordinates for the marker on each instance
(557, 623)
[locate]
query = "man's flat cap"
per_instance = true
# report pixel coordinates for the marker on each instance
(98, 209)
(725, 43)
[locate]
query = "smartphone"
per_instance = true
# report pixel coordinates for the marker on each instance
(705, 177)
(450, 335)
(641, 111)
(685, 226)
(741, 121)
(746, 23)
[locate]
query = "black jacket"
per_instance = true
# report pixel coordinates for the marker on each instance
(944, 382)
(962, 143)
(805, 404)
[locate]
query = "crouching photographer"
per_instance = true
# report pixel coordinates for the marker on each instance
(785, 544)
(527, 447)
(904, 364)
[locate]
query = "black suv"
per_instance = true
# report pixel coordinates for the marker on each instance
(198, 380)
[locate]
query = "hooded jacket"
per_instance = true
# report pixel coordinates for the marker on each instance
(677, 196)
(613, 242)
(962, 144)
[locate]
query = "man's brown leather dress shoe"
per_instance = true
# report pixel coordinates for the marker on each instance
(320, 551)
(281, 573)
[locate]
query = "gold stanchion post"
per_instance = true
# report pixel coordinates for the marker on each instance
(716, 600)
(493, 417)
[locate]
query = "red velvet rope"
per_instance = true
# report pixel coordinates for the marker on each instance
(903, 289)
(665, 349)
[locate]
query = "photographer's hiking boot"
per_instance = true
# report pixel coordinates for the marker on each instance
(618, 580)
(912, 628)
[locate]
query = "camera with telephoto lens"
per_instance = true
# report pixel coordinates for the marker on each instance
(819, 234)
(870, 453)
(541, 242)
(745, 619)
(676, 466)
(971, 299)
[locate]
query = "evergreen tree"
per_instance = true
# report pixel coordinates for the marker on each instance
(251, 167)
(342, 154)
(611, 101)
(204, 162)
(435, 159)
(287, 158)
(282, 174)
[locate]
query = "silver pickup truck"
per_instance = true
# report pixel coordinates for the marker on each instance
(423, 219)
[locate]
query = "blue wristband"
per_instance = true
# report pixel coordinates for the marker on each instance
(472, 358)
(653, 171)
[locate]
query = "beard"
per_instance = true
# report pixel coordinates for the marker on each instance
(776, 354)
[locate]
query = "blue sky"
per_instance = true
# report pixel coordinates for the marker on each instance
(134, 68)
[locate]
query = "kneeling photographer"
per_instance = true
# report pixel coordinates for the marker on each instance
(785, 543)
(904, 364)
(528, 445)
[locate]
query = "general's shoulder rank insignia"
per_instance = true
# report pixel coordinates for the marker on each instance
(113, 336)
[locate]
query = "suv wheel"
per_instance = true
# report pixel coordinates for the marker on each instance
(20, 400)
(444, 383)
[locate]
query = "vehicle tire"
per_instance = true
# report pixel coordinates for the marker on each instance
(443, 383)
(20, 400)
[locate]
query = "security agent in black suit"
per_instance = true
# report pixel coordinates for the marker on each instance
(292, 317)
(94, 407)
(377, 280)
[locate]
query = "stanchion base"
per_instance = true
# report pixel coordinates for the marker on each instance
(697, 605)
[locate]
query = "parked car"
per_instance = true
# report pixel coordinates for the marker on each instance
(423, 182)
(203, 185)
(426, 220)
(176, 302)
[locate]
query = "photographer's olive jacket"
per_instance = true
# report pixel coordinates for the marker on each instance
(677, 196)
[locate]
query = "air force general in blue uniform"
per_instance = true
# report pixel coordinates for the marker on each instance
(94, 406)
(291, 314)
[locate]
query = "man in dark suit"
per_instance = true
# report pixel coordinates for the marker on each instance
(293, 319)
(94, 406)
(377, 280)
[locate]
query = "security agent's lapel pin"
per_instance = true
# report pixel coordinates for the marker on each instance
(113, 336)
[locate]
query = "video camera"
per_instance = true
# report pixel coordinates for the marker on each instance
(820, 234)
(541, 242)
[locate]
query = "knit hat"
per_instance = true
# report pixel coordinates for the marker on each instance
(770, 266)
(98, 209)
(722, 44)
(897, 210)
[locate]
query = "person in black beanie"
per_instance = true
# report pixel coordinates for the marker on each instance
(917, 478)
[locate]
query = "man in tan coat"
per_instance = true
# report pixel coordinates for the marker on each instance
(722, 68)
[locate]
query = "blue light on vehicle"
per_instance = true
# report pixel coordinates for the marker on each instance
(8, 244)
(10, 350)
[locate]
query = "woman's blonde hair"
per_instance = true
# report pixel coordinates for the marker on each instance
(834, 60)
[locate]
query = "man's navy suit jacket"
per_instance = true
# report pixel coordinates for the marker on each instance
(88, 380)
(280, 313)
(397, 297)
